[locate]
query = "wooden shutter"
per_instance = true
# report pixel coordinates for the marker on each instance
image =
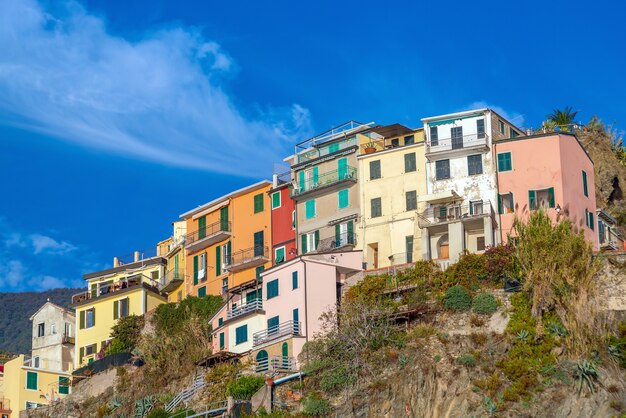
(81, 354)
(317, 238)
(350, 232)
(93, 315)
(342, 168)
(301, 181)
(585, 184)
(500, 210)
(303, 250)
(224, 218)
(116, 309)
(82, 320)
(195, 270)
(218, 260)
(202, 227)
(532, 200)
(315, 175)
(337, 235)
(294, 280)
(551, 196)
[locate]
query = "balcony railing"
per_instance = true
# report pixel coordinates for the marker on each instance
(255, 305)
(471, 141)
(5, 405)
(248, 258)
(326, 179)
(334, 242)
(281, 330)
(67, 339)
(110, 288)
(209, 235)
(451, 213)
(172, 279)
(281, 364)
(322, 151)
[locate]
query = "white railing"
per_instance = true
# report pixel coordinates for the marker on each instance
(255, 305)
(443, 263)
(186, 394)
(286, 328)
(276, 364)
(465, 141)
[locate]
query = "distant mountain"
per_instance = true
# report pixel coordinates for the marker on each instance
(15, 311)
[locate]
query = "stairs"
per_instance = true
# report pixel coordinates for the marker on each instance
(187, 393)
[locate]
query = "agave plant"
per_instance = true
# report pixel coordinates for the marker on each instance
(587, 373)
(557, 329)
(522, 335)
(115, 403)
(143, 406)
(614, 351)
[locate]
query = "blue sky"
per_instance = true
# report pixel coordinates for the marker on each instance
(117, 116)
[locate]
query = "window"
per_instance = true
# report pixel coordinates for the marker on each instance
(376, 209)
(296, 318)
(434, 136)
(90, 350)
(309, 241)
(275, 200)
(344, 234)
(259, 241)
(309, 209)
(501, 126)
(541, 198)
(342, 199)
(241, 334)
(41, 329)
(442, 169)
(120, 308)
(374, 170)
(512, 133)
(53, 329)
(589, 219)
(476, 207)
(224, 285)
(504, 161)
(225, 259)
(333, 147)
(87, 318)
(31, 380)
(480, 128)
(409, 163)
(220, 322)
(506, 203)
(272, 289)
(409, 248)
(258, 203)
(585, 190)
(222, 345)
(64, 385)
(279, 255)
(457, 137)
(36, 362)
(202, 291)
(480, 243)
(474, 164)
(202, 266)
(294, 280)
(409, 140)
(411, 200)
(395, 142)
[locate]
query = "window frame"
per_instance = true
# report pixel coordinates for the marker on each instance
(378, 213)
(469, 164)
(413, 200)
(510, 161)
(41, 329)
(377, 173)
(280, 201)
(447, 169)
(412, 167)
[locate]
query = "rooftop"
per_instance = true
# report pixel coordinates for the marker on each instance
(342, 131)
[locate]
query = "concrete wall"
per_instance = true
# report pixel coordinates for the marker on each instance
(49, 348)
(283, 230)
(255, 323)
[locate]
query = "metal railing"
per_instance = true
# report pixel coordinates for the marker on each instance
(186, 394)
(110, 288)
(67, 339)
(247, 255)
(137, 256)
(252, 306)
(325, 179)
(207, 231)
(441, 214)
(343, 130)
(332, 243)
(280, 330)
(276, 364)
(384, 144)
(465, 141)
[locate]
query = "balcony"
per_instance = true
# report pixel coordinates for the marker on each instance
(280, 364)
(109, 288)
(333, 243)
(472, 142)
(289, 328)
(440, 215)
(172, 280)
(209, 235)
(67, 339)
(255, 305)
(5, 406)
(325, 182)
(245, 259)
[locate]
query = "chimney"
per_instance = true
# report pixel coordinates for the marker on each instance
(116, 262)
(275, 180)
(136, 255)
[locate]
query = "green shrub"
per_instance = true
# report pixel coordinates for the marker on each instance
(126, 333)
(466, 360)
(484, 303)
(245, 386)
(469, 271)
(617, 344)
(335, 379)
(315, 406)
(158, 413)
(457, 298)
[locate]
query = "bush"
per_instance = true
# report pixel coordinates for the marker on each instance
(158, 413)
(469, 271)
(126, 333)
(168, 316)
(116, 346)
(457, 298)
(315, 406)
(500, 263)
(466, 360)
(245, 386)
(484, 303)
(335, 379)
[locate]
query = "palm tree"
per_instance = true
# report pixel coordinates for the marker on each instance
(562, 117)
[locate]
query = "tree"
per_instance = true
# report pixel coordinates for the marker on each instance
(562, 117)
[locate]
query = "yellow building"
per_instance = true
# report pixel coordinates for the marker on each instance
(28, 387)
(391, 180)
(228, 240)
(173, 250)
(126, 289)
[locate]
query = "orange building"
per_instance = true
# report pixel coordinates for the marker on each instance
(228, 240)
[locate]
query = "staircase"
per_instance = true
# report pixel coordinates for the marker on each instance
(187, 393)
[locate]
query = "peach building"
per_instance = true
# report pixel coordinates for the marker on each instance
(551, 171)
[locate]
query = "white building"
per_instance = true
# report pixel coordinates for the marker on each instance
(53, 338)
(458, 213)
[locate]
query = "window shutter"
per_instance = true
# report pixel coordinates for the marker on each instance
(471, 208)
(532, 200)
(81, 354)
(315, 176)
(218, 261)
(500, 211)
(337, 235)
(82, 320)
(195, 270)
(116, 309)
(342, 168)
(93, 315)
(294, 280)
(551, 196)
(512, 201)
(585, 184)
(303, 250)
(224, 218)
(301, 181)
(296, 316)
(591, 221)
(317, 238)
(350, 232)
(228, 252)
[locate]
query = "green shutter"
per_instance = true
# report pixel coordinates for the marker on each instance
(64, 385)
(81, 354)
(195, 270)
(310, 208)
(333, 147)
(202, 227)
(342, 168)
(224, 218)
(258, 271)
(317, 238)
(301, 181)
(116, 309)
(202, 292)
(551, 196)
(512, 201)
(585, 184)
(275, 200)
(500, 211)
(303, 250)
(343, 198)
(221, 340)
(218, 260)
(82, 319)
(294, 280)
(258, 203)
(532, 200)
(31, 380)
(337, 235)
(315, 176)
(350, 232)
(591, 221)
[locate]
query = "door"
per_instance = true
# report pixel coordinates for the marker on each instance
(285, 353)
(224, 218)
(444, 250)
(342, 168)
(457, 137)
(258, 244)
(261, 360)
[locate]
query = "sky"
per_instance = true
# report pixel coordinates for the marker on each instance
(118, 116)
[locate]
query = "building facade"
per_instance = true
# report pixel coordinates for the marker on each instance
(391, 179)
(459, 210)
(609, 236)
(550, 171)
(284, 246)
(228, 240)
(53, 338)
(173, 250)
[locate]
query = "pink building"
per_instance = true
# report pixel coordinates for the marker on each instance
(273, 322)
(552, 171)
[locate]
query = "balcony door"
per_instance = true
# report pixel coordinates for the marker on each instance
(457, 137)
(224, 218)
(342, 168)
(258, 244)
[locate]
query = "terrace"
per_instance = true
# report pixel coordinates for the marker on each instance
(311, 148)
(248, 258)
(444, 214)
(325, 182)
(279, 364)
(208, 235)
(472, 142)
(288, 328)
(252, 306)
(106, 288)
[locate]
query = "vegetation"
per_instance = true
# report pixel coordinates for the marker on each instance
(617, 345)
(245, 386)
(562, 117)
(457, 298)
(315, 406)
(466, 360)
(484, 303)
(126, 334)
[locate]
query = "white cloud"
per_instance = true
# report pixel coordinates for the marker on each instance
(160, 98)
(12, 274)
(43, 243)
(514, 117)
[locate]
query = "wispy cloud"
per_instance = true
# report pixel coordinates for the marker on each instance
(514, 117)
(43, 243)
(159, 98)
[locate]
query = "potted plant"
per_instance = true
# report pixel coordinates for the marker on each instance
(369, 148)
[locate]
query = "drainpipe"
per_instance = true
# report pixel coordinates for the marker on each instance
(306, 310)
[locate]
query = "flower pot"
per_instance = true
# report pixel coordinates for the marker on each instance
(369, 150)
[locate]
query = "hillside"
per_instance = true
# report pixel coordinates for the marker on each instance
(15, 311)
